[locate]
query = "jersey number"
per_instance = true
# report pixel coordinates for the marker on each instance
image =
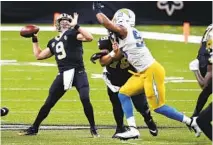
(124, 63)
(137, 36)
(60, 50)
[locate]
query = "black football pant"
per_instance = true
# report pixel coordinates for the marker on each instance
(204, 121)
(202, 99)
(139, 102)
(56, 91)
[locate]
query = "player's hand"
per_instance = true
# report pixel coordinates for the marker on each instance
(115, 47)
(194, 65)
(97, 6)
(74, 19)
(98, 55)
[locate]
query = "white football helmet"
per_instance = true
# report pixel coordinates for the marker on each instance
(125, 16)
(63, 16)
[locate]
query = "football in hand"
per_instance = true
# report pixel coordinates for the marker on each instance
(29, 30)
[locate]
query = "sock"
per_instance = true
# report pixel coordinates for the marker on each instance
(88, 111)
(127, 109)
(170, 113)
(131, 121)
(186, 120)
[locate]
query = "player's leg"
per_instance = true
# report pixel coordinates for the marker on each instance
(202, 99)
(204, 121)
(117, 111)
(155, 92)
(56, 91)
(133, 86)
(142, 107)
(82, 85)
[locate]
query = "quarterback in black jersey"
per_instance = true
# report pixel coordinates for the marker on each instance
(68, 52)
(115, 74)
(202, 69)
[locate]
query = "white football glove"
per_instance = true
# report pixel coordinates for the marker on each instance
(194, 65)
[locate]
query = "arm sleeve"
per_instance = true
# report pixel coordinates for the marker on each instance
(50, 47)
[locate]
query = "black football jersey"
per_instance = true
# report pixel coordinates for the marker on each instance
(68, 51)
(203, 53)
(117, 71)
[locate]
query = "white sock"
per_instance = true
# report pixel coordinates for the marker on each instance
(131, 121)
(186, 120)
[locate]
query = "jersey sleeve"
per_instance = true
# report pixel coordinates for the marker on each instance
(72, 32)
(49, 45)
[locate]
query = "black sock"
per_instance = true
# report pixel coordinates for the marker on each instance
(118, 115)
(43, 113)
(88, 110)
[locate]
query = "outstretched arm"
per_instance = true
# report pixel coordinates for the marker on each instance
(83, 35)
(108, 24)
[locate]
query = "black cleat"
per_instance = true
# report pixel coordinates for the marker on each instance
(94, 133)
(29, 131)
(152, 127)
(119, 130)
(4, 111)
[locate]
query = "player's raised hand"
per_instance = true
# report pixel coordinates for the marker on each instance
(97, 6)
(74, 19)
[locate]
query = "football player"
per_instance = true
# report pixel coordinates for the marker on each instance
(204, 118)
(115, 74)
(202, 69)
(149, 76)
(68, 51)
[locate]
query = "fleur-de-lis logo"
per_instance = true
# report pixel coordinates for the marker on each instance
(170, 6)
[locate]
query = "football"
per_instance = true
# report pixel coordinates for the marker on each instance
(29, 30)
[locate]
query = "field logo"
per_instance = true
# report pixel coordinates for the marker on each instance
(170, 6)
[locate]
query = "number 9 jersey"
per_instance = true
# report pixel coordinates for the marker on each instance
(68, 51)
(135, 50)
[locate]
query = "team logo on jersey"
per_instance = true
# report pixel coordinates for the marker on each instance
(170, 6)
(53, 44)
(65, 37)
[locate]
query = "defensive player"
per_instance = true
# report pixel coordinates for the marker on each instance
(68, 51)
(149, 76)
(115, 74)
(200, 67)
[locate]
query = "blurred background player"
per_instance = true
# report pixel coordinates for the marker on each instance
(115, 74)
(68, 51)
(4, 111)
(204, 118)
(200, 68)
(150, 74)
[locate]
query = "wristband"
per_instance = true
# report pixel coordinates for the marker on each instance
(76, 27)
(34, 39)
(112, 54)
(96, 11)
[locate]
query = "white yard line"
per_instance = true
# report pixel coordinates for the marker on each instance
(103, 31)
(38, 89)
(74, 100)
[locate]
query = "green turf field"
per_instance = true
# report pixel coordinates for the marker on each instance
(24, 88)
